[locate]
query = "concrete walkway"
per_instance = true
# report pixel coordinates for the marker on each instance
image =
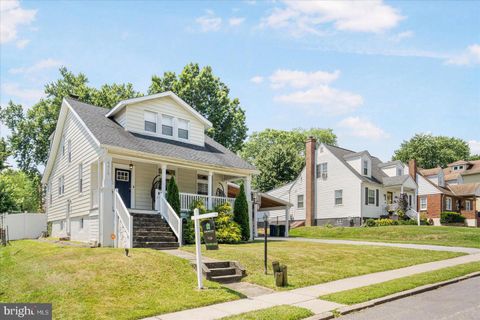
(307, 297)
(382, 244)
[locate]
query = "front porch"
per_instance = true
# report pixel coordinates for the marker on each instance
(400, 192)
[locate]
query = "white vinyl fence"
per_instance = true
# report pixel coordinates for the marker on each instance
(25, 225)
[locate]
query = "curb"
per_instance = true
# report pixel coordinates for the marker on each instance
(368, 304)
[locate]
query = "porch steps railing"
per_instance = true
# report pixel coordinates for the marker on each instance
(413, 214)
(123, 223)
(167, 212)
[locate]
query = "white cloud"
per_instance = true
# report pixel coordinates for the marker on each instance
(12, 16)
(37, 67)
(209, 21)
(301, 79)
(257, 79)
(26, 96)
(403, 35)
(236, 21)
(22, 43)
(312, 92)
(302, 17)
(470, 56)
(474, 146)
(363, 128)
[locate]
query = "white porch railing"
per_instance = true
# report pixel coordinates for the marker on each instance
(124, 223)
(413, 214)
(187, 199)
(167, 212)
(93, 198)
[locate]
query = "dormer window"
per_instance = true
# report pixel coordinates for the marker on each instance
(183, 129)
(150, 121)
(399, 171)
(167, 125)
(365, 167)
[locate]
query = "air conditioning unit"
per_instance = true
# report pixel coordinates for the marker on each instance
(324, 176)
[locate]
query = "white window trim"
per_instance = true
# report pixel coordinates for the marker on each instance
(426, 203)
(202, 181)
(69, 150)
(335, 197)
(80, 178)
(302, 202)
(156, 121)
(364, 167)
(469, 205)
(321, 172)
(173, 126)
(61, 185)
(448, 204)
(374, 196)
(188, 129)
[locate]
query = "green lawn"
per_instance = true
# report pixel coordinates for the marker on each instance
(278, 313)
(101, 283)
(313, 263)
(444, 236)
(390, 287)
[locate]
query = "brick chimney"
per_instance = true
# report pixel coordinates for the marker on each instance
(412, 169)
(310, 181)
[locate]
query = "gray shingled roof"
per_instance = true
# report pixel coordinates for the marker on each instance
(377, 173)
(390, 163)
(395, 181)
(110, 133)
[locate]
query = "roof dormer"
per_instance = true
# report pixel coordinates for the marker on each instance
(162, 115)
(361, 162)
(393, 168)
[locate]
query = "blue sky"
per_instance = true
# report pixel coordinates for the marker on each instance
(376, 72)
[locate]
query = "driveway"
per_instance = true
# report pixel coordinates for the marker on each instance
(459, 301)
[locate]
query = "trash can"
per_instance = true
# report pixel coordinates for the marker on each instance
(273, 230)
(281, 230)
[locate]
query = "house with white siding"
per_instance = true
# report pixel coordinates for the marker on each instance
(108, 170)
(343, 187)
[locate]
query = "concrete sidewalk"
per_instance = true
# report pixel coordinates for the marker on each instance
(381, 244)
(307, 297)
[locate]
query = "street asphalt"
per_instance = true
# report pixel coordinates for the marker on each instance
(459, 301)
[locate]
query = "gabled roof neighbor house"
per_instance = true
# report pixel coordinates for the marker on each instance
(108, 170)
(343, 187)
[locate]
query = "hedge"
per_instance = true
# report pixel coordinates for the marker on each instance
(451, 217)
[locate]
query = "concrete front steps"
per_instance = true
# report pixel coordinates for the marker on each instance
(151, 231)
(223, 271)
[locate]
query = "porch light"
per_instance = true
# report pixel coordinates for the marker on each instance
(130, 166)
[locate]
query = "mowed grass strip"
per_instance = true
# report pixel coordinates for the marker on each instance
(282, 312)
(102, 283)
(398, 285)
(313, 263)
(443, 236)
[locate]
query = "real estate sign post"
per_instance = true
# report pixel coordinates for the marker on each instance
(198, 244)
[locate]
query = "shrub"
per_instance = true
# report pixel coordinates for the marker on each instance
(370, 223)
(188, 227)
(173, 196)
(385, 222)
(227, 230)
(328, 225)
(240, 213)
(451, 217)
(408, 222)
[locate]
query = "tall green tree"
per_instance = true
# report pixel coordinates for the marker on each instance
(240, 213)
(173, 196)
(22, 189)
(432, 151)
(4, 154)
(6, 201)
(207, 94)
(30, 131)
(280, 154)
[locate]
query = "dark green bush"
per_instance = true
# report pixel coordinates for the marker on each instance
(188, 230)
(173, 196)
(240, 213)
(451, 217)
(370, 223)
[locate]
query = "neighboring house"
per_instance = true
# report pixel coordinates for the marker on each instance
(108, 170)
(455, 188)
(344, 187)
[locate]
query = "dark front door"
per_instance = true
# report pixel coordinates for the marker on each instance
(123, 183)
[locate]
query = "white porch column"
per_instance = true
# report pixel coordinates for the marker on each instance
(287, 220)
(210, 186)
(248, 192)
(164, 180)
(106, 203)
(401, 189)
(256, 206)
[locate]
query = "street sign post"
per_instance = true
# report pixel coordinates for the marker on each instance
(198, 244)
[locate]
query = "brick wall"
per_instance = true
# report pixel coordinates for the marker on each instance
(434, 206)
(310, 180)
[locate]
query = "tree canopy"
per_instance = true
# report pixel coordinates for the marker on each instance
(20, 191)
(207, 94)
(432, 151)
(280, 154)
(4, 154)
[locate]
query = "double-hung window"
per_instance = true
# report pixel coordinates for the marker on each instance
(50, 193)
(202, 184)
(365, 167)
(150, 120)
(468, 205)
(63, 145)
(371, 196)
(80, 178)
(183, 129)
(448, 203)
(69, 146)
(300, 201)
(423, 203)
(322, 170)
(338, 197)
(61, 185)
(167, 125)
